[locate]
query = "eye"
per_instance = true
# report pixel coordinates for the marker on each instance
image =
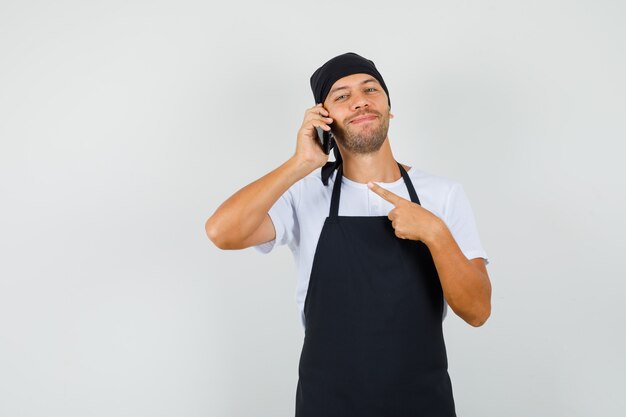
(371, 89)
(341, 97)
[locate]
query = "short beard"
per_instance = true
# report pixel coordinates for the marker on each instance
(365, 141)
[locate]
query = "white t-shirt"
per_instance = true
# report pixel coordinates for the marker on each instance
(299, 214)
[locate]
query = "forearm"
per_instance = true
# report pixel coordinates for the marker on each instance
(466, 287)
(241, 214)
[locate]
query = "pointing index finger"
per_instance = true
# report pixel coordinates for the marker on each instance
(386, 194)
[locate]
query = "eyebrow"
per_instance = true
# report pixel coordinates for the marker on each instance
(369, 80)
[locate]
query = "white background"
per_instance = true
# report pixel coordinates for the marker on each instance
(124, 124)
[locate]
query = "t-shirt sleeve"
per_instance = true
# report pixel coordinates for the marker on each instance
(283, 216)
(460, 220)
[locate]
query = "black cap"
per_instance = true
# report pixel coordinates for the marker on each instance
(342, 66)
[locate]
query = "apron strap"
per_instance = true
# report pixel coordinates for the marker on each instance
(409, 185)
(334, 201)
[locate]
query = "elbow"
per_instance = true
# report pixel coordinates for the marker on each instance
(215, 235)
(476, 314)
(479, 318)
(480, 310)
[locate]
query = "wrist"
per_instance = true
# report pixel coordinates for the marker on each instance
(300, 167)
(437, 232)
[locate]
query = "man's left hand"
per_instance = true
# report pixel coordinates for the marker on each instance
(408, 219)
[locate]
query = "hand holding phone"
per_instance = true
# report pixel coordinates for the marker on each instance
(314, 136)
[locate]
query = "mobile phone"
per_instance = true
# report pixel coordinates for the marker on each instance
(326, 138)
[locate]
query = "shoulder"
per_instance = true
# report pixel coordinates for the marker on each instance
(310, 191)
(312, 183)
(432, 184)
(437, 193)
(314, 180)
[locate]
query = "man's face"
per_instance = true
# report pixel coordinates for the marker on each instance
(360, 110)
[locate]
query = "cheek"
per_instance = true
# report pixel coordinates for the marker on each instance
(336, 115)
(338, 120)
(334, 111)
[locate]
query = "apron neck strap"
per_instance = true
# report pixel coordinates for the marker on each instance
(409, 185)
(334, 201)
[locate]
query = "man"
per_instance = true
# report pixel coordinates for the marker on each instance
(374, 265)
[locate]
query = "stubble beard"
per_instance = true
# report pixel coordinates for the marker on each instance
(363, 139)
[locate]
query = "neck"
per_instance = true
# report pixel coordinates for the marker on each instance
(379, 166)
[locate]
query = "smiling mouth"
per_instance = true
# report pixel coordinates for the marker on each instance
(363, 119)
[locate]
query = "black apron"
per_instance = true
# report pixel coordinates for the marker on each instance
(373, 343)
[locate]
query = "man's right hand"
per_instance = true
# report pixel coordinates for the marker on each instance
(308, 147)
(242, 220)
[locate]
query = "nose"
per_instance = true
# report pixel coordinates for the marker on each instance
(359, 101)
